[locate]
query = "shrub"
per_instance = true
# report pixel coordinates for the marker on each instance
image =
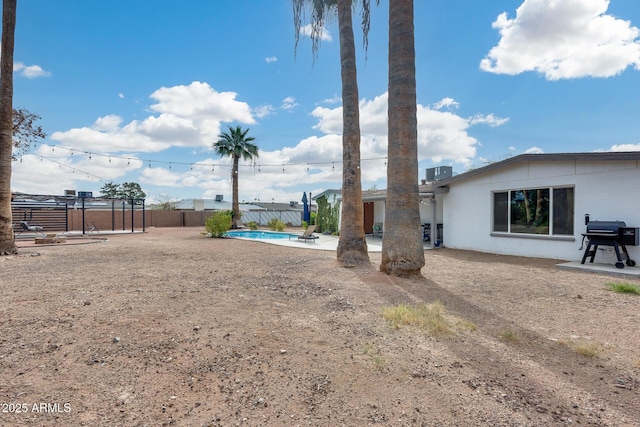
(218, 224)
(305, 224)
(276, 224)
(252, 225)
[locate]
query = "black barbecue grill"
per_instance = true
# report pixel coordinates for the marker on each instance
(610, 233)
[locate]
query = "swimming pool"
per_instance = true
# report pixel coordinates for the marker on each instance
(259, 234)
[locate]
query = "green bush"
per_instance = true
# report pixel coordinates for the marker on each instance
(218, 224)
(276, 224)
(305, 224)
(252, 225)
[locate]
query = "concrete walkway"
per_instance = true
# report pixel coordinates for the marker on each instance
(601, 268)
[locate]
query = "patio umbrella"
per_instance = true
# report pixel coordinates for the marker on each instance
(306, 215)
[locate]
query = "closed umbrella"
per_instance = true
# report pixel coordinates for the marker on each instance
(306, 215)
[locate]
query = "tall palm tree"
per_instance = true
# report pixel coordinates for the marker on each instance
(236, 144)
(352, 246)
(7, 243)
(402, 250)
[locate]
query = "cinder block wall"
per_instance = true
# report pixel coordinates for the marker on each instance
(107, 220)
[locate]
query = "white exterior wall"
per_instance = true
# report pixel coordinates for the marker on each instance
(426, 210)
(607, 190)
(378, 211)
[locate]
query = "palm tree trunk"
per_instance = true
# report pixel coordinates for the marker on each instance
(402, 249)
(7, 243)
(235, 205)
(352, 246)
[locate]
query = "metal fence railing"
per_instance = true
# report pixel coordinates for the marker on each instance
(262, 218)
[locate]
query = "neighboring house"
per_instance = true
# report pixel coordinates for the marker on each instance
(217, 204)
(330, 194)
(530, 205)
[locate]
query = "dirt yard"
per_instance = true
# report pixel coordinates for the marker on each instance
(173, 328)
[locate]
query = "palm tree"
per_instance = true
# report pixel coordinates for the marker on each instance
(236, 144)
(7, 243)
(352, 246)
(402, 250)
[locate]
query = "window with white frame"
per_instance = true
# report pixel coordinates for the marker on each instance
(539, 211)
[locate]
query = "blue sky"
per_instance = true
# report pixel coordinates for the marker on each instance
(140, 90)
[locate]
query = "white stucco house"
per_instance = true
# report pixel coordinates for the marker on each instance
(529, 205)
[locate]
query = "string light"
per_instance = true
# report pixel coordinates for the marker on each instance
(170, 164)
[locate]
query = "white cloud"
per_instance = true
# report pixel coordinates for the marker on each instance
(625, 147)
(263, 111)
(289, 103)
(199, 100)
(189, 116)
(121, 95)
(335, 99)
(270, 59)
(30, 71)
(182, 120)
(442, 135)
(534, 150)
(490, 120)
(446, 103)
(563, 39)
(307, 30)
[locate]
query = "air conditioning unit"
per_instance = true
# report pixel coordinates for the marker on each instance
(219, 197)
(438, 173)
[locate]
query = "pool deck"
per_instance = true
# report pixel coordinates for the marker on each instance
(324, 242)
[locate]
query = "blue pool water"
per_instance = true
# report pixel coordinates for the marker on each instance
(258, 234)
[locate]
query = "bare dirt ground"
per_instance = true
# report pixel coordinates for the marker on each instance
(173, 328)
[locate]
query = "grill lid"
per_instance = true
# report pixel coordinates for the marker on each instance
(612, 227)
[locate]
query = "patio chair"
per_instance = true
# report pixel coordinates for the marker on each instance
(308, 234)
(377, 230)
(91, 227)
(26, 227)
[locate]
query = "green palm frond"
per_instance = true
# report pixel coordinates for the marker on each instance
(235, 143)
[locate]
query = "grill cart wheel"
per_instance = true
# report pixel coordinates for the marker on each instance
(619, 265)
(631, 263)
